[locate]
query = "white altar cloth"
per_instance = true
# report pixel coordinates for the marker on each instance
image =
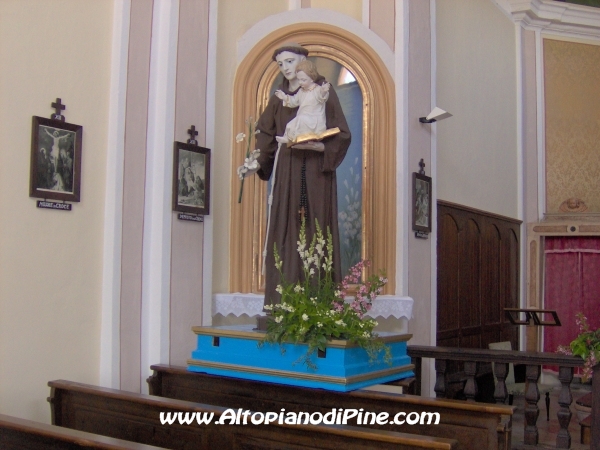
(236, 304)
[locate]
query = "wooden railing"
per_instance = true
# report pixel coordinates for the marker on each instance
(473, 358)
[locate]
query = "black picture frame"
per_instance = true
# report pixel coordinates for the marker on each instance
(55, 160)
(421, 203)
(191, 178)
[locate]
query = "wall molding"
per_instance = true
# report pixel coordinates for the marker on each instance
(554, 17)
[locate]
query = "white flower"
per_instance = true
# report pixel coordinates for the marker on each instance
(367, 334)
(279, 289)
(298, 288)
(340, 323)
(241, 171)
(240, 137)
(251, 163)
(319, 324)
(268, 307)
(304, 317)
(311, 271)
(278, 319)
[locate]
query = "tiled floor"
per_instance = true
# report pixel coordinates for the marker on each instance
(548, 430)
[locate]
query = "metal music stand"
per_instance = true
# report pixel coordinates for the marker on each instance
(532, 314)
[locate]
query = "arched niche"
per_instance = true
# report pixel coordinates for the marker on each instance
(253, 81)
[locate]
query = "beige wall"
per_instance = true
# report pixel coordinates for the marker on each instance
(50, 261)
(352, 8)
(572, 123)
(476, 82)
(233, 22)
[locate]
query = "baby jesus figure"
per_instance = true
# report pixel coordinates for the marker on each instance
(309, 123)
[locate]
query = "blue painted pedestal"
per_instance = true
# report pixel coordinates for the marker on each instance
(233, 351)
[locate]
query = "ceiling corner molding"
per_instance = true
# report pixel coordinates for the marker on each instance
(550, 16)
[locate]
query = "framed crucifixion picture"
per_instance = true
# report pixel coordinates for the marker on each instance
(55, 160)
(421, 200)
(191, 178)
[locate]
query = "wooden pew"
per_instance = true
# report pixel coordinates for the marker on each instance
(19, 434)
(474, 425)
(136, 417)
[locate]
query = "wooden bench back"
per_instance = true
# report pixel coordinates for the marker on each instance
(19, 434)
(136, 417)
(474, 425)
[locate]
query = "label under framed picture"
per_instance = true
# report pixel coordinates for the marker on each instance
(421, 200)
(191, 178)
(55, 160)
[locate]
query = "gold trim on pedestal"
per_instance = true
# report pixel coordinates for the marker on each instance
(260, 335)
(303, 376)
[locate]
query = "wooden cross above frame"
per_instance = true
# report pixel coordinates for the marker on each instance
(193, 133)
(58, 108)
(532, 314)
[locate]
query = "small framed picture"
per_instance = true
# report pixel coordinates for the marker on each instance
(191, 179)
(55, 160)
(421, 203)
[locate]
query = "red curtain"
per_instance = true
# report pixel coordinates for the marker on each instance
(572, 285)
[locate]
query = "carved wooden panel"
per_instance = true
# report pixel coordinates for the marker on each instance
(478, 276)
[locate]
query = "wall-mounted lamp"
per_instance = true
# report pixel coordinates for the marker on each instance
(435, 115)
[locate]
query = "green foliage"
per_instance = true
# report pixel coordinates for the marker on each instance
(586, 345)
(313, 311)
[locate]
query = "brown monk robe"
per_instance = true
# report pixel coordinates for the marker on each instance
(316, 197)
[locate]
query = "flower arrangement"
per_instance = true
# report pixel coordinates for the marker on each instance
(586, 345)
(250, 162)
(349, 218)
(314, 310)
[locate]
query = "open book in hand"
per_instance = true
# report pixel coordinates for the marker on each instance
(301, 139)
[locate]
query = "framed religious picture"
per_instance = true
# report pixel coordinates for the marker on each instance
(421, 200)
(191, 178)
(55, 160)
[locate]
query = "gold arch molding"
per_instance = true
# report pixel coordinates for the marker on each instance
(253, 80)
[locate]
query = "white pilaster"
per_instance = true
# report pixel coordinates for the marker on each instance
(433, 174)
(366, 13)
(522, 214)
(402, 180)
(113, 206)
(156, 259)
(211, 108)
